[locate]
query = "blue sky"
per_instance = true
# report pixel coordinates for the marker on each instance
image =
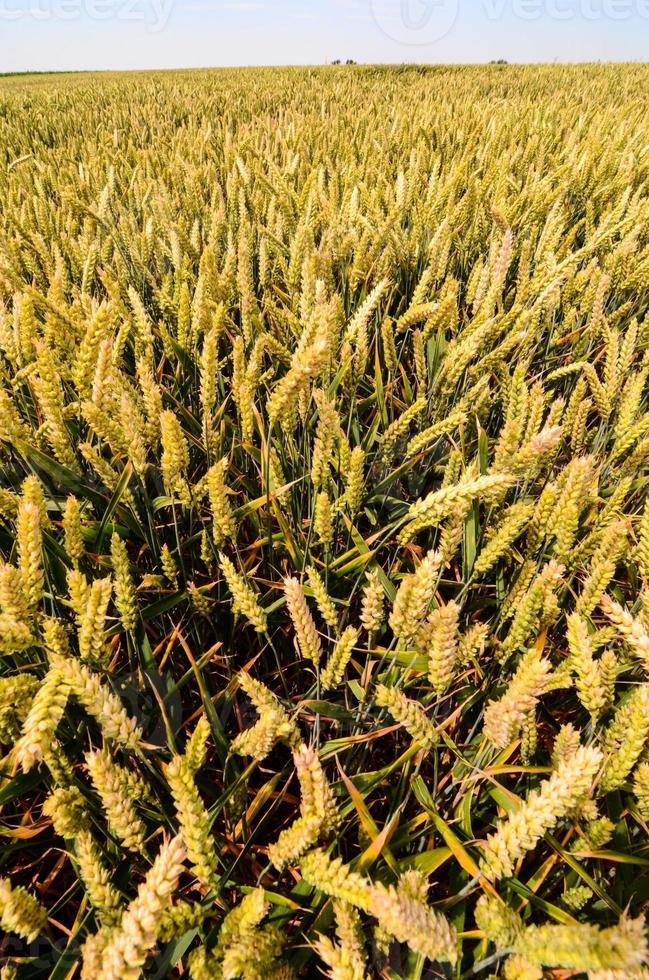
(104, 34)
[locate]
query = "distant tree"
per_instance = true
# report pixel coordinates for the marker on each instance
(350, 61)
(500, 61)
(336, 61)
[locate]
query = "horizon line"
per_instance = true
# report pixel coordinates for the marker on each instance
(494, 63)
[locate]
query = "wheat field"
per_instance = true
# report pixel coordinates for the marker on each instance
(324, 524)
